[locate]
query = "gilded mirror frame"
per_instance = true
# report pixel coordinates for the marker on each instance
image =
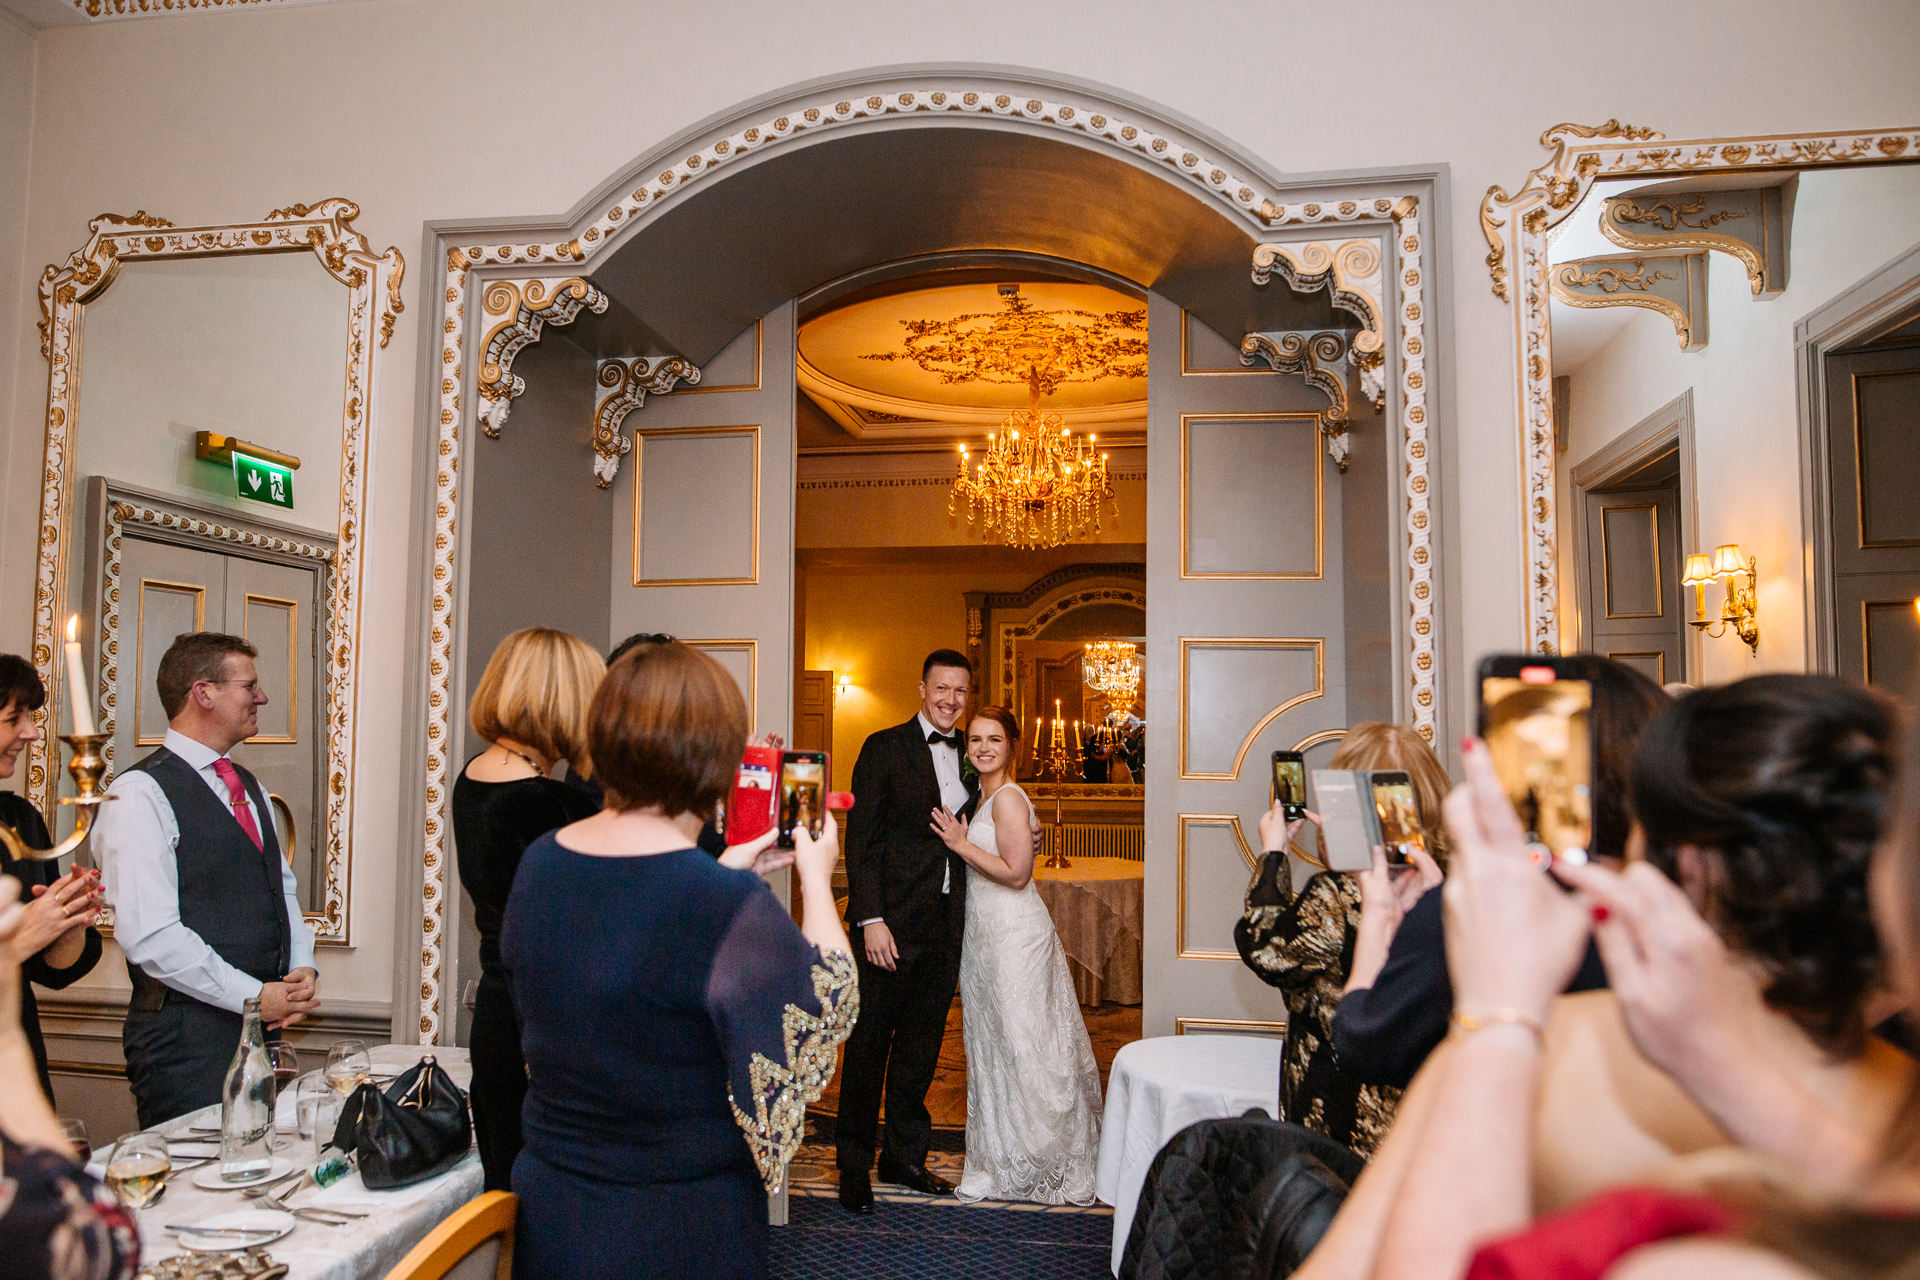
(1516, 227)
(372, 281)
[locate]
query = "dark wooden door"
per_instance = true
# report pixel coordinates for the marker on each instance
(1634, 602)
(1873, 452)
(813, 712)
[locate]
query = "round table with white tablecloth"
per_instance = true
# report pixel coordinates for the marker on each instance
(1158, 1087)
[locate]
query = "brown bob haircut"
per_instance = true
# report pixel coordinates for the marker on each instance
(536, 690)
(191, 658)
(667, 729)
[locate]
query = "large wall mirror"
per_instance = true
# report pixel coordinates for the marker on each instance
(1718, 346)
(167, 345)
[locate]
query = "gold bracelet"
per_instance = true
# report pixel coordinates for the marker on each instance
(1466, 1024)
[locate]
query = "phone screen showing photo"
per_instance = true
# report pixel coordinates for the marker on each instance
(802, 795)
(1536, 729)
(1399, 815)
(1290, 783)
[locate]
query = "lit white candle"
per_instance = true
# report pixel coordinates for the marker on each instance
(81, 705)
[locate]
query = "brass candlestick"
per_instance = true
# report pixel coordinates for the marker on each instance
(86, 767)
(1059, 766)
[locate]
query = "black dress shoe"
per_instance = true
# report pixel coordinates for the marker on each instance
(856, 1192)
(914, 1178)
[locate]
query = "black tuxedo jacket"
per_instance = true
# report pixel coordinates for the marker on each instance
(895, 861)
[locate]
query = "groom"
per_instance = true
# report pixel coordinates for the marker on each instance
(906, 906)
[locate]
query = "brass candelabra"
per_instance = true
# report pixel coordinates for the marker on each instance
(1059, 763)
(86, 767)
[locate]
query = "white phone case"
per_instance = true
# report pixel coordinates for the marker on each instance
(1348, 826)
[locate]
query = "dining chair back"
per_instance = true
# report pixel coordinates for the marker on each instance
(474, 1243)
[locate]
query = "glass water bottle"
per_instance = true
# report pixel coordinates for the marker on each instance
(246, 1112)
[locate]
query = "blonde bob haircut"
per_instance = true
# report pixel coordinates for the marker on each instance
(536, 691)
(1372, 744)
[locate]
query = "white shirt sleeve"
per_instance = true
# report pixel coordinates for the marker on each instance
(299, 932)
(133, 840)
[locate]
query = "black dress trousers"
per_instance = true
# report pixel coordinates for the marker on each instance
(895, 1050)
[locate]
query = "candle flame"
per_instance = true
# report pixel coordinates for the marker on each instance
(73, 627)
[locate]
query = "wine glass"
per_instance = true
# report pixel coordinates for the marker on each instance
(286, 1064)
(137, 1171)
(349, 1066)
(76, 1131)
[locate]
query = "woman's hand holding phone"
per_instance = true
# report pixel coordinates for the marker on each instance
(759, 855)
(1277, 831)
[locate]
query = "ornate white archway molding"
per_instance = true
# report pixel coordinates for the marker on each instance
(623, 385)
(516, 313)
(1350, 271)
(474, 258)
(1516, 225)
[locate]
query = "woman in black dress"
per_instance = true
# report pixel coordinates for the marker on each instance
(531, 708)
(676, 1021)
(56, 944)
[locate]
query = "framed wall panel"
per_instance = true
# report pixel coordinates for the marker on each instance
(1205, 910)
(272, 626)
(1222, 677)
(1890, 643)
(1630, 559)
(171, 608)
(741, 658)
(1266, 517)
(731, 364)
(696, 507)
(1230, 1027)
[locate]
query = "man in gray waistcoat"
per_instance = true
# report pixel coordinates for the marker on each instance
(205, 907)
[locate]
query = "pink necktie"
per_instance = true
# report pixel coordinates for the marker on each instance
(242, 811)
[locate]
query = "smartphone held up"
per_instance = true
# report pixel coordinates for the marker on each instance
(780, 791)
(1535, 717)
(1290, 784)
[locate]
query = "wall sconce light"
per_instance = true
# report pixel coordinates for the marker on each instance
(842, 683)
(1742, 606)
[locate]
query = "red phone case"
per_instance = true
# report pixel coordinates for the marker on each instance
(750, 806)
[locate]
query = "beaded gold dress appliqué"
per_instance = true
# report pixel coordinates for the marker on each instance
(782, 1090)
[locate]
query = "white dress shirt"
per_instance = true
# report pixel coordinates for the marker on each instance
(134, 844)
(953, 792)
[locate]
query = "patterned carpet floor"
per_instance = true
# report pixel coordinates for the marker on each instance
(915, 1238)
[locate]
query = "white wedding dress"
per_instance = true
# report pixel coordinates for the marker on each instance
(1033, 1089)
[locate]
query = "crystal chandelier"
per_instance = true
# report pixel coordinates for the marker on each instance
(1110, 666)
(1036, 486)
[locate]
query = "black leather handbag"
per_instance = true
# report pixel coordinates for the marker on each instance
(416, 1129)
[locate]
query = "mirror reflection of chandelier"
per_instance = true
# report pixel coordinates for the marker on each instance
(1035, 485)
(1112, 667)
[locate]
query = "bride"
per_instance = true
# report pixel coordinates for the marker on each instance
(1033, 1090)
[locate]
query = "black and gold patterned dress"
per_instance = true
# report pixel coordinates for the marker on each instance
(675, 1025)
(1303, 944)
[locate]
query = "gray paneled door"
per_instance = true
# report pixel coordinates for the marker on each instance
(1873, 451)
(1245, 597)
(1634, 608)
(167, 589)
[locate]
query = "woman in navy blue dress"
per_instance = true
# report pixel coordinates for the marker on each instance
(675, 1021)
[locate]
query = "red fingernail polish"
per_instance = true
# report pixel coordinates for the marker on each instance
(1600, 913)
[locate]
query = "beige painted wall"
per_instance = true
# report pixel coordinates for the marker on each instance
(461, 109)
(1846, 223)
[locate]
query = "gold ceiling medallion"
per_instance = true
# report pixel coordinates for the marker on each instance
(1350, 271)
(623, 387)
(1675, 287)
(516, 312)
(1516, 224)
(1312, 356)
(1043, 350)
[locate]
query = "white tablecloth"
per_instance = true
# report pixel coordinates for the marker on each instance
(1158, 1087)
(361, 1250)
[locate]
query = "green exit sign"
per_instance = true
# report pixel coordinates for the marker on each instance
(263, 481)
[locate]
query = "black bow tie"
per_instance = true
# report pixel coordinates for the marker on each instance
(951, 739)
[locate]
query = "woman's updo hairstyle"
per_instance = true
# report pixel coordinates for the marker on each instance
(1782, 782)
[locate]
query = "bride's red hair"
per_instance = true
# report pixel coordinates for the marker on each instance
(1002, 717)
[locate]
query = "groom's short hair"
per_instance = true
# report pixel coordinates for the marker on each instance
(945, 658)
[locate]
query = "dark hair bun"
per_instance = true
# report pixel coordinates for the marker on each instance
(1782, 782)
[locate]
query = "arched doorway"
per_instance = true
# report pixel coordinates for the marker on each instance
(699, 249)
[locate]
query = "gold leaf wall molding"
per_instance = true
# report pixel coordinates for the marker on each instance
(1676, 287)
(516, 312)
(622, 387)
(1315, 357)
(1350, 271)
(1748, 224)
(1515, 225)
(100, 10)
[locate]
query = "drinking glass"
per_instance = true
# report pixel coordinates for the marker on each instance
(349, 1066)
(76, 1131)
(317, 1107)
(137, 1171)
(286, 1065)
